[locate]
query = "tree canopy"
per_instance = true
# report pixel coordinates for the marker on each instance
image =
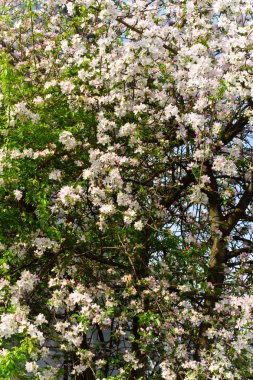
(126, 189)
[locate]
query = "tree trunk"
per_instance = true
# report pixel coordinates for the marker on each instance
(216, 278)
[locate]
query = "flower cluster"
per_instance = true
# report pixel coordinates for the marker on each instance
(126, 189)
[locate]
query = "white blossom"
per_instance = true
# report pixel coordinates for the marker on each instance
(18, 194)
(55, 175)
(67, 139)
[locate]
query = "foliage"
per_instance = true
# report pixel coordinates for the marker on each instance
(126, 189)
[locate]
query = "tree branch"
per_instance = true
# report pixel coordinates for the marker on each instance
(240, 209)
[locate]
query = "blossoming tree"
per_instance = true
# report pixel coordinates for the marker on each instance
(126, 189)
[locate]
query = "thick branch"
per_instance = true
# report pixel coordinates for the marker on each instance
(138, 31)
(232, 129)
(174, 191)
(240, 209)
(237, 252)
